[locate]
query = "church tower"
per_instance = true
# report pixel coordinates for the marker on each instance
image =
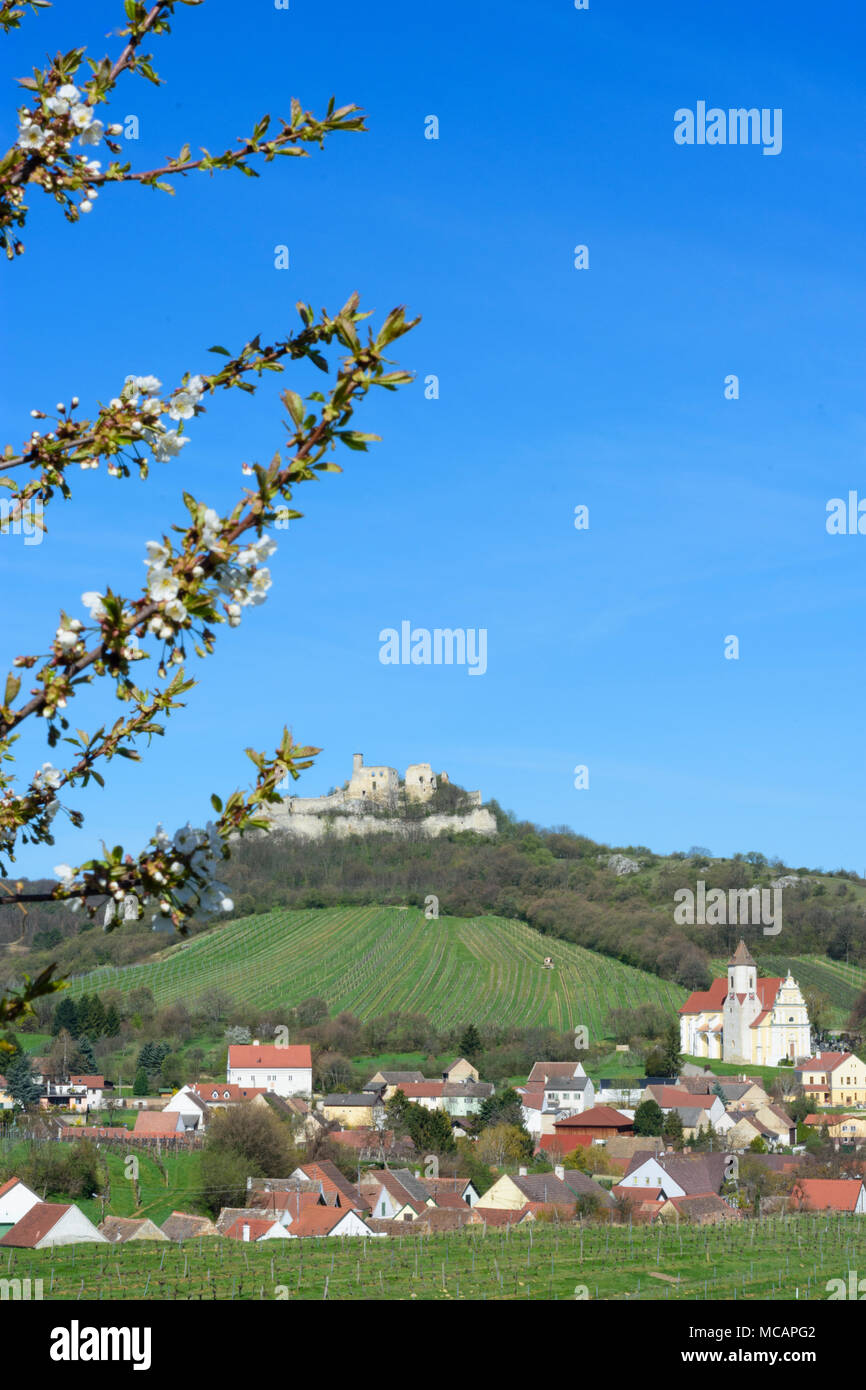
(742, 1005)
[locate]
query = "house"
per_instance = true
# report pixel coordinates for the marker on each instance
(741, 1018)
(158, 1124)
(329, 1221)
(705, 1209)
(561, 1188)
(430, 1094)
(7, 1101)
(51, 1223)
(219, 1095)
(181, 1226)
(119, 1229)
(287, 1206)
(826, 1194)
(329, 1176)
(554, 1090)
(672, 1098)
(192, 1109)
(461, 1188)
(768, 1122)
(363, 1109)
(462, 1098)
(286, 1070)
(599, 1122)
(678, 1175)
(834, 1078)
(841, 1129)
(255, 1228)
(16, 1199)
(393, 1081)
(395, 1194)
(94, 1086)
(461, 1070)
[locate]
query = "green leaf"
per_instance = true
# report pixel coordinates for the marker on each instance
(225, 352)
(13, 685)
(216, 803)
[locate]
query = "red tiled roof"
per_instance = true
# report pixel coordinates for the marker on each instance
(213, 1091)
(422, 1089)
(598, 1117)
(95, 1083)
(156, 1122)
(317, 1221)
(825, 1061)
(712, 1000)
(817, 1194)
(36, 1224)
(250, 1055)
(258, 1228)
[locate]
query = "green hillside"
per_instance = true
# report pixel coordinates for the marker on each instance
(371, 960)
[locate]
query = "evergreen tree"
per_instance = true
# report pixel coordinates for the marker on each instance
(141, 1085)
(112, 1021)
(65, 1016)
(672, 1129)
(648, 1118)
(470, 1043)
(671, 1050)
(19, 1080)
(83, 1059)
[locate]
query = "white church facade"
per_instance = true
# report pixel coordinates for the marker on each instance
(742, 1018)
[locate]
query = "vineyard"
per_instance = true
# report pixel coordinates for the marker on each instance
(371, 960)
(777, 1259)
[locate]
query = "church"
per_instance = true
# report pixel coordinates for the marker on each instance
(745, 1019)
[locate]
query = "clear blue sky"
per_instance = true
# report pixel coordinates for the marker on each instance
(558, 387)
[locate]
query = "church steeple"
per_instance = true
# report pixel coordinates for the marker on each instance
(742, 971)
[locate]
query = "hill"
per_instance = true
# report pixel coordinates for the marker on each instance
(371, 960)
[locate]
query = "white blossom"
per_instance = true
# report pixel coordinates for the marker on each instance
(81, 116)
(93, 132)
(93, 602)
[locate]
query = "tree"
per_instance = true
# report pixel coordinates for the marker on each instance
(501, 1145)
(671, 1050)
(65, 1016)
(83, 1060)
(213, 567)
(672, 1128)
(504, 1108)
(648, 1118)
(141, 1084)
(253, 1133)
(470, 1043)
(19, 1081)
(224, 1176)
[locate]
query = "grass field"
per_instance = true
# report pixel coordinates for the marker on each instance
(785, 1258)
(175, 1186)
(371, 960)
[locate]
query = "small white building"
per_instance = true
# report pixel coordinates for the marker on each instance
(16, 1199)
(51, 1223)
(287, 1071)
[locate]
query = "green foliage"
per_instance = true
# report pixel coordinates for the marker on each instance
(648, 1118)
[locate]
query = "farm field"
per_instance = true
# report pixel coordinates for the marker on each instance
(775, 1259)
(371, 960)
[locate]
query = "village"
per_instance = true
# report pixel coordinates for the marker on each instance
(699, 1147)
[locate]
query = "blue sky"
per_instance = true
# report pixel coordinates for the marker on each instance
(558, 387)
